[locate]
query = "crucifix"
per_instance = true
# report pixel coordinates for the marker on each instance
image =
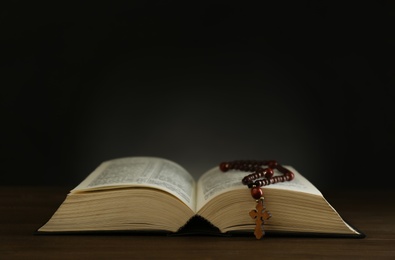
(260, 215)
(259, 178)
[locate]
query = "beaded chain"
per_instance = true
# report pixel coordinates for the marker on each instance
(259, 177)
(259, 172)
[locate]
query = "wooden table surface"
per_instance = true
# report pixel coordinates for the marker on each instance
(25, 209)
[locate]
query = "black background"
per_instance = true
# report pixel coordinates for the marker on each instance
(309, 83)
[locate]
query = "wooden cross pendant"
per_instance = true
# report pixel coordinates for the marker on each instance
(260, 215)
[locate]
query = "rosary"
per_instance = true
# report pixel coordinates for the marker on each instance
(262, 175)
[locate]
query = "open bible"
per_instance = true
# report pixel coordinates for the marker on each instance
(154, 194)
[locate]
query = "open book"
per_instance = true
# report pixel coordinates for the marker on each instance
(155, 194)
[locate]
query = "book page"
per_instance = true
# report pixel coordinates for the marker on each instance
(142, 172)
(215, 182)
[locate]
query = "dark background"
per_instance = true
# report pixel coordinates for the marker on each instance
(308, 83)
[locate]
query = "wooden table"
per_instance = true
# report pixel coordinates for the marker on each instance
(24, 209)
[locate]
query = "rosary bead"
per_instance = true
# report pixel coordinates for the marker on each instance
(224, 167)
(289, 175)
(272, 164)
(260, 176)
(269, 173)
(256, 193)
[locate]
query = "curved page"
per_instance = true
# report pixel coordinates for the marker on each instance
(215, 182)
(142, 172)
